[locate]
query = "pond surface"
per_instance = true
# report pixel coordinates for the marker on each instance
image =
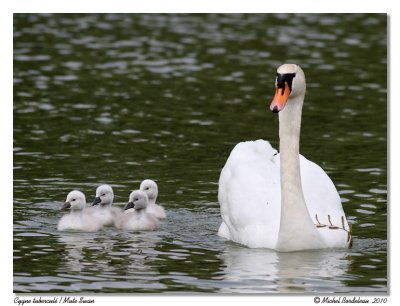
(120, 98)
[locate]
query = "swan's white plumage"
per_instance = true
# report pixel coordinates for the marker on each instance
(250, 197)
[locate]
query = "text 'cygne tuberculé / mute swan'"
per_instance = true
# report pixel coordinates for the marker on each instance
(281, 201)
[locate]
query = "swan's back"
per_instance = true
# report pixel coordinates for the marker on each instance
(249, 194)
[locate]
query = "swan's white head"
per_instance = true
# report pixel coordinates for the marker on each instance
(150, 188)
(104, 195)
(75, 201)
(138, 200)
(290, 82)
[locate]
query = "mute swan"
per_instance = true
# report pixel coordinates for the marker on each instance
(281, 201)
(151, 189)
(77, 219)
(104, 199)
(135, 217)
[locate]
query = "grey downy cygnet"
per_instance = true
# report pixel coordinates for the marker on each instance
(103, 209)
(135, 216)
(78, 219)
(151, 189)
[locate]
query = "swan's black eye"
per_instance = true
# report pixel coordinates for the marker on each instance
(73, 199)
(282, 78)
(103, 194)
(147, 188)
(136, 199)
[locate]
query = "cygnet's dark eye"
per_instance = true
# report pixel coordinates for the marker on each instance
(147, 188)
(136, 199)
(103, 194)
(73, 199)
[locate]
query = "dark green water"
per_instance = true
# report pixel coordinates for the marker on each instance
(119, 98)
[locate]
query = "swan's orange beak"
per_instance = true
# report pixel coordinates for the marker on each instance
(280, 98)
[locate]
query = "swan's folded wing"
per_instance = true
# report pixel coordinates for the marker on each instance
(322, 198)
(324, 204)
(249, 194)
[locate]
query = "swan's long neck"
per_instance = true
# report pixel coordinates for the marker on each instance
(297, 231)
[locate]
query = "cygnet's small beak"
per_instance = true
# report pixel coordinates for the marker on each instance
(67, 205)
(96, 201)
(280, 98)
(129, 205)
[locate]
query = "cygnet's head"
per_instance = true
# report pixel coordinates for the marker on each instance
(138, 200)
(104, 195)
(151, 189)
(75, 201)
(290, 83)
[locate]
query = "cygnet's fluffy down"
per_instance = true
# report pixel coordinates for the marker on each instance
(103, 209)
(151, 189)
(78, 219)
(136, 217)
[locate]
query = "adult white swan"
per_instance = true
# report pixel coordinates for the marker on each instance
(281, 201)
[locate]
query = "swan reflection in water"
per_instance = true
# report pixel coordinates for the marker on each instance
(267, 271)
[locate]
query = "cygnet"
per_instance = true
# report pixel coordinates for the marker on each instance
(102, 202)
(136, 217)
(151, 189)
(78, 219)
